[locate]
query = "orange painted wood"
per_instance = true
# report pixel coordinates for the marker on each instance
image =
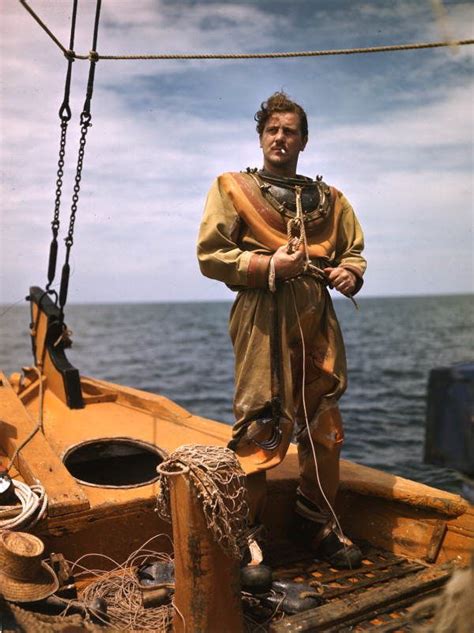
(369, 481)
(389, 511)
(207, 595)
(54, 378)
(36, 460)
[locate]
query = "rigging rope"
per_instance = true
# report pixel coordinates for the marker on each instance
(235, 56)
(64, 117)
(85, 123)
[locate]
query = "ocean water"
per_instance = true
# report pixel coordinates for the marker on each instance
(182, 351)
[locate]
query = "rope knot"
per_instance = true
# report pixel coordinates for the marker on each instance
(94, 56)
(69, 54)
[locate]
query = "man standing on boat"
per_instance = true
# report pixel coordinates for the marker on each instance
(279, 239)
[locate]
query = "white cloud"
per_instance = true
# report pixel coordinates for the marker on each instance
(446, 121)
(147, 169)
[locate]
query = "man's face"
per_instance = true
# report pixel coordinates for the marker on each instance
(281, 142)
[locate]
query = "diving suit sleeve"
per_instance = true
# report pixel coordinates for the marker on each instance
(350, 243)
(219, 254)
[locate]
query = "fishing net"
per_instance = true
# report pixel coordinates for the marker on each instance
(219, 482)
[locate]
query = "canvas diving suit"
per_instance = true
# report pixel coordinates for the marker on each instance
(245, 221)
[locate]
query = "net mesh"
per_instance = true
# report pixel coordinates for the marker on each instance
(219, 481)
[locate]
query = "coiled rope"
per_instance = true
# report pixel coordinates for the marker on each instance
(34, 502)
(236, 56)
(33, 499)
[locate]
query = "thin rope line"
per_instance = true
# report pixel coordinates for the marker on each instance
(39, 424)
(237, 56)
(45, 28)
(338, 527)
(289, 54)
(10, 306)
(305, 411)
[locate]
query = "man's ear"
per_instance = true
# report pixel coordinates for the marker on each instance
(303, 143)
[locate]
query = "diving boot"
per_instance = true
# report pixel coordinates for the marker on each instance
(255, 577)
(327, 543)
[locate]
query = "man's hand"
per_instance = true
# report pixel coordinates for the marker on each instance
(286, 264)
(342, 279)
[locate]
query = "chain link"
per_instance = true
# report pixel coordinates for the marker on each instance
(59, 180)
(85, 124)
(53, 251)
(64, 117)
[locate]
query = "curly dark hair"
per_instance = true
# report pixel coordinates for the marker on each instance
(280, 102)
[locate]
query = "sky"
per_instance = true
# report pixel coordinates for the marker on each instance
(393, 131)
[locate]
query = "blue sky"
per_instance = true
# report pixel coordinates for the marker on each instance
(393, 131)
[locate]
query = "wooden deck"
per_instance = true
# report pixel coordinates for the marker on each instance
(379, 596)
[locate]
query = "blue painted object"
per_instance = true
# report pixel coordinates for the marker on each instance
(449, 437)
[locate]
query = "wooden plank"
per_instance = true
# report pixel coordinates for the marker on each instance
(369, 582)
(36, 460)
(338, 612)
(403, 529)
(372, 482)
(115, 532)
(164, 409)
(393, 625)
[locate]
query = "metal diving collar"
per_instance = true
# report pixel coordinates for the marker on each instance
(280, 193)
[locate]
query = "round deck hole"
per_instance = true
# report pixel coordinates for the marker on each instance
(117, 462)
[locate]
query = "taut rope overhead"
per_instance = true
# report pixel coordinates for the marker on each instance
(234, 56)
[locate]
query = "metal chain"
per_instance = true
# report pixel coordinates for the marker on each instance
(85, 123)
(69, 240)
(65, 117)
(53, 251)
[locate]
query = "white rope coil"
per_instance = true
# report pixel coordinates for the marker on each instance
(34, 502)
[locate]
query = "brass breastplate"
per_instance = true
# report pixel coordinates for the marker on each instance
(280, 193)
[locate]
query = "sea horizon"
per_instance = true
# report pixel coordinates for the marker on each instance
(334, 297)
(181, 350)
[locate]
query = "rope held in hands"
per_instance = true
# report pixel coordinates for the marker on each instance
(297, 236)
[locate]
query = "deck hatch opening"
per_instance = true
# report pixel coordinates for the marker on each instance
(114, 462)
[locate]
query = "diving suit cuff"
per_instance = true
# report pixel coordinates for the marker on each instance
(257, 271)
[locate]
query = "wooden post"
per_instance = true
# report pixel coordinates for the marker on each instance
(207, 595)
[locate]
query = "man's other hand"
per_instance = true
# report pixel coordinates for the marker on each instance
(286, 264)
(341, 279)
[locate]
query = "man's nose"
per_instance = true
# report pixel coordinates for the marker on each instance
(280, 134)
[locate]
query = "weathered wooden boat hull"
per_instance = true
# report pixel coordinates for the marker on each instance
(396, 514)
(408, 530)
